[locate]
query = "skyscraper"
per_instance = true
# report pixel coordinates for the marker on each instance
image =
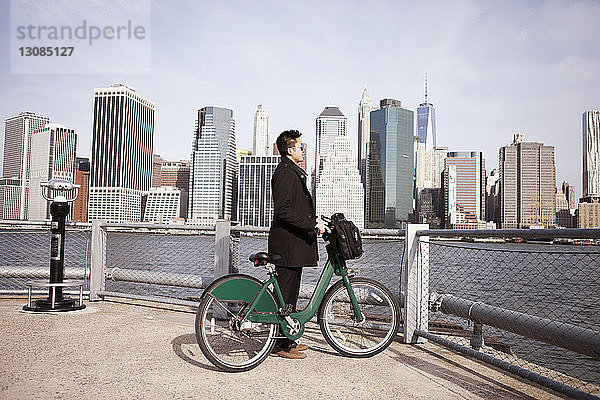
(53, 152)
(426, 130)
(17, 162)
(364, 129)
(492, 192)
(391, 164)
(340, 189)
(10, 198)
(429, 165)
(464, 190)
(588, 213)
(527, 184)
(260, 137)
(569, 192)
(157, 162)
(122, 146)
(163, 205)
(329, 124)
(82, 178)
(255, 202)
(591, 154)
(213, 167)
(177, 174)
(565, 216)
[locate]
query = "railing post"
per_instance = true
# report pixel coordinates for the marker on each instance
(234, 258)
(415, 283)
(223, 249)
(98, 260)
(477, 340)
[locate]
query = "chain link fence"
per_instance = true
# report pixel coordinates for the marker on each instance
(382, 261)
(165, 263)
(556, 287)
(25, 256)
(169, 262)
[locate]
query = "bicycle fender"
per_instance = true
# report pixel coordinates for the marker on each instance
(241, 288)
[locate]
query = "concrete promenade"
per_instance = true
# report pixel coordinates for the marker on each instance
(128, 350)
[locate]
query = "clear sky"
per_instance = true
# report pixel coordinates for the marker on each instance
(495, 68)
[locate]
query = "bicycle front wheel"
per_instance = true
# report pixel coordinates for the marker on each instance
(225, 342)
(376, 331)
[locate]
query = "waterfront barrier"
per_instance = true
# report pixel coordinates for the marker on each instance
(542, 304)
(561, 334)
(16, 271)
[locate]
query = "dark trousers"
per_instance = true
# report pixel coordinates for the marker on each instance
(288, 280)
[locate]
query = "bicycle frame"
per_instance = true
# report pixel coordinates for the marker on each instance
(333, 266)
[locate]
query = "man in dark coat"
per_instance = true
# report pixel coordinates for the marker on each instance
(293, 234)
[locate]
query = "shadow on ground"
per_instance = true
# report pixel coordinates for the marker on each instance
(186, 347)
(461, 376)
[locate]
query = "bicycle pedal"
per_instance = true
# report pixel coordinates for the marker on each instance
(286, 310)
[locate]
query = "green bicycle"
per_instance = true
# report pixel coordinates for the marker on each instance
(239, 318)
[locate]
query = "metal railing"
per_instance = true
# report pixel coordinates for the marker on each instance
(165, 263)
(530, 308)
(171, 263)
(382, 258)
(25, 254)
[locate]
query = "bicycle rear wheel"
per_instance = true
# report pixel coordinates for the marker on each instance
(363, 338)
(223, 341)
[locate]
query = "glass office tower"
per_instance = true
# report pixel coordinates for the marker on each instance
(391, 164)
(591, 153)
(213, 169)
(426, 122)
(426, 125)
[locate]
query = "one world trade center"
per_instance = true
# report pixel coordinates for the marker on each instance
(426, 122)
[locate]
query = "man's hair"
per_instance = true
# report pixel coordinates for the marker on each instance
(286, 140)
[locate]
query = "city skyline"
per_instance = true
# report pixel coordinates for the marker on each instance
(330, 107)
(115, 96)
(493, 70)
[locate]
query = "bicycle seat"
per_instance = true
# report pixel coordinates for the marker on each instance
(262, 258)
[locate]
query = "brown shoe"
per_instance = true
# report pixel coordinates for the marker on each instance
(291, 353)
(300, 347)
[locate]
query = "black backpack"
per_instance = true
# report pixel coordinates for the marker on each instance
(346, 237)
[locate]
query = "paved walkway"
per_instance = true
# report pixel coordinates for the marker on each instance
(115, 350)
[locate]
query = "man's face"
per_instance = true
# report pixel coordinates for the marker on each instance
(295, 152)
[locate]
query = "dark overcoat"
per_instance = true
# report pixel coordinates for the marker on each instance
(292, 234)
